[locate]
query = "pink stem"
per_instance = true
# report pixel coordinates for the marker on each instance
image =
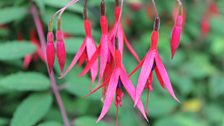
(155, 8)
(51, 75)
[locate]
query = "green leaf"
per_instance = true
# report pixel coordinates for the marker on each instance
(3, 121)
(15, 50)
(50, 123)
(73, 44)
(28, 81)
(89, 121)
(80, 86)
(216, 85)
(32, 110)
(160, 106)
(217, 46)
(55, 3)
(11, 13)
(180, 120)
(214, 113)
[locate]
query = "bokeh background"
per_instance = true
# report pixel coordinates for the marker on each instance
(196, 71)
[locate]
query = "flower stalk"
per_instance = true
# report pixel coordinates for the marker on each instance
(54, 86)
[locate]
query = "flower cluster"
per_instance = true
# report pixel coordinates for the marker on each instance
(113, 78)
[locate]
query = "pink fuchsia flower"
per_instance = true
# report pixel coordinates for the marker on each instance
(176, 34)
(118, 80)
(105, 49)
(150, 61)
(118, 31)
(85, 52)
(50, 51)
(60, 49)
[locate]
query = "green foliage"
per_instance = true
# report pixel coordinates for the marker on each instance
(50, 123)
(28, 81)
(196, 72)
(15, 50)
(32, 110)
(88, 121)
(11, 14)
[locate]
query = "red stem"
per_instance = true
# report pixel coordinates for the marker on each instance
(51, 75)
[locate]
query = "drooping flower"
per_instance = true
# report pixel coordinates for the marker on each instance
(50, 51)
(86, 51)
(38, 53)
(118, 31)
(104, 50)
(118, 80)
(176, 32)
(60, 49)
(152, 60)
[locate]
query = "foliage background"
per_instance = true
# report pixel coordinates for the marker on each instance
(196, 72)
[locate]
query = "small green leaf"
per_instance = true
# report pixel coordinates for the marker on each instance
(32, 110)
(89, 121)
(11, 13)
(15, 50)
(73, 44)
(29, 81)
(50, 123)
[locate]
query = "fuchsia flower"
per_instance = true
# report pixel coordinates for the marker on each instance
(118, 80)
(60, 47)
(50, 52)
(118, 31)
(176, 34)
(85, 52)
(105, 49)
(152, 60)
(38, 54)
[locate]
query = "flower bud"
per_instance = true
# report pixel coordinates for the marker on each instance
(61, 52)
(50, 53)
(176, 34)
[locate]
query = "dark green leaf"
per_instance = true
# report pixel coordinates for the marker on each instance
(11, 14)
(32, 110)
(15, 50)
(28, 81)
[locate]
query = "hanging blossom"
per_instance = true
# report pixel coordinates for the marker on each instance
(177, 29)
(118, 31)
(115, 84)
(104, 50)
(116, 80)
(86, 50)
(38, 54)
(60, 46)
(150, 62)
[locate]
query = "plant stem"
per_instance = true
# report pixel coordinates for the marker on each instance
(51, 75)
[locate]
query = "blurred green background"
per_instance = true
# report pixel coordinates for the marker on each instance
(196, 71)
